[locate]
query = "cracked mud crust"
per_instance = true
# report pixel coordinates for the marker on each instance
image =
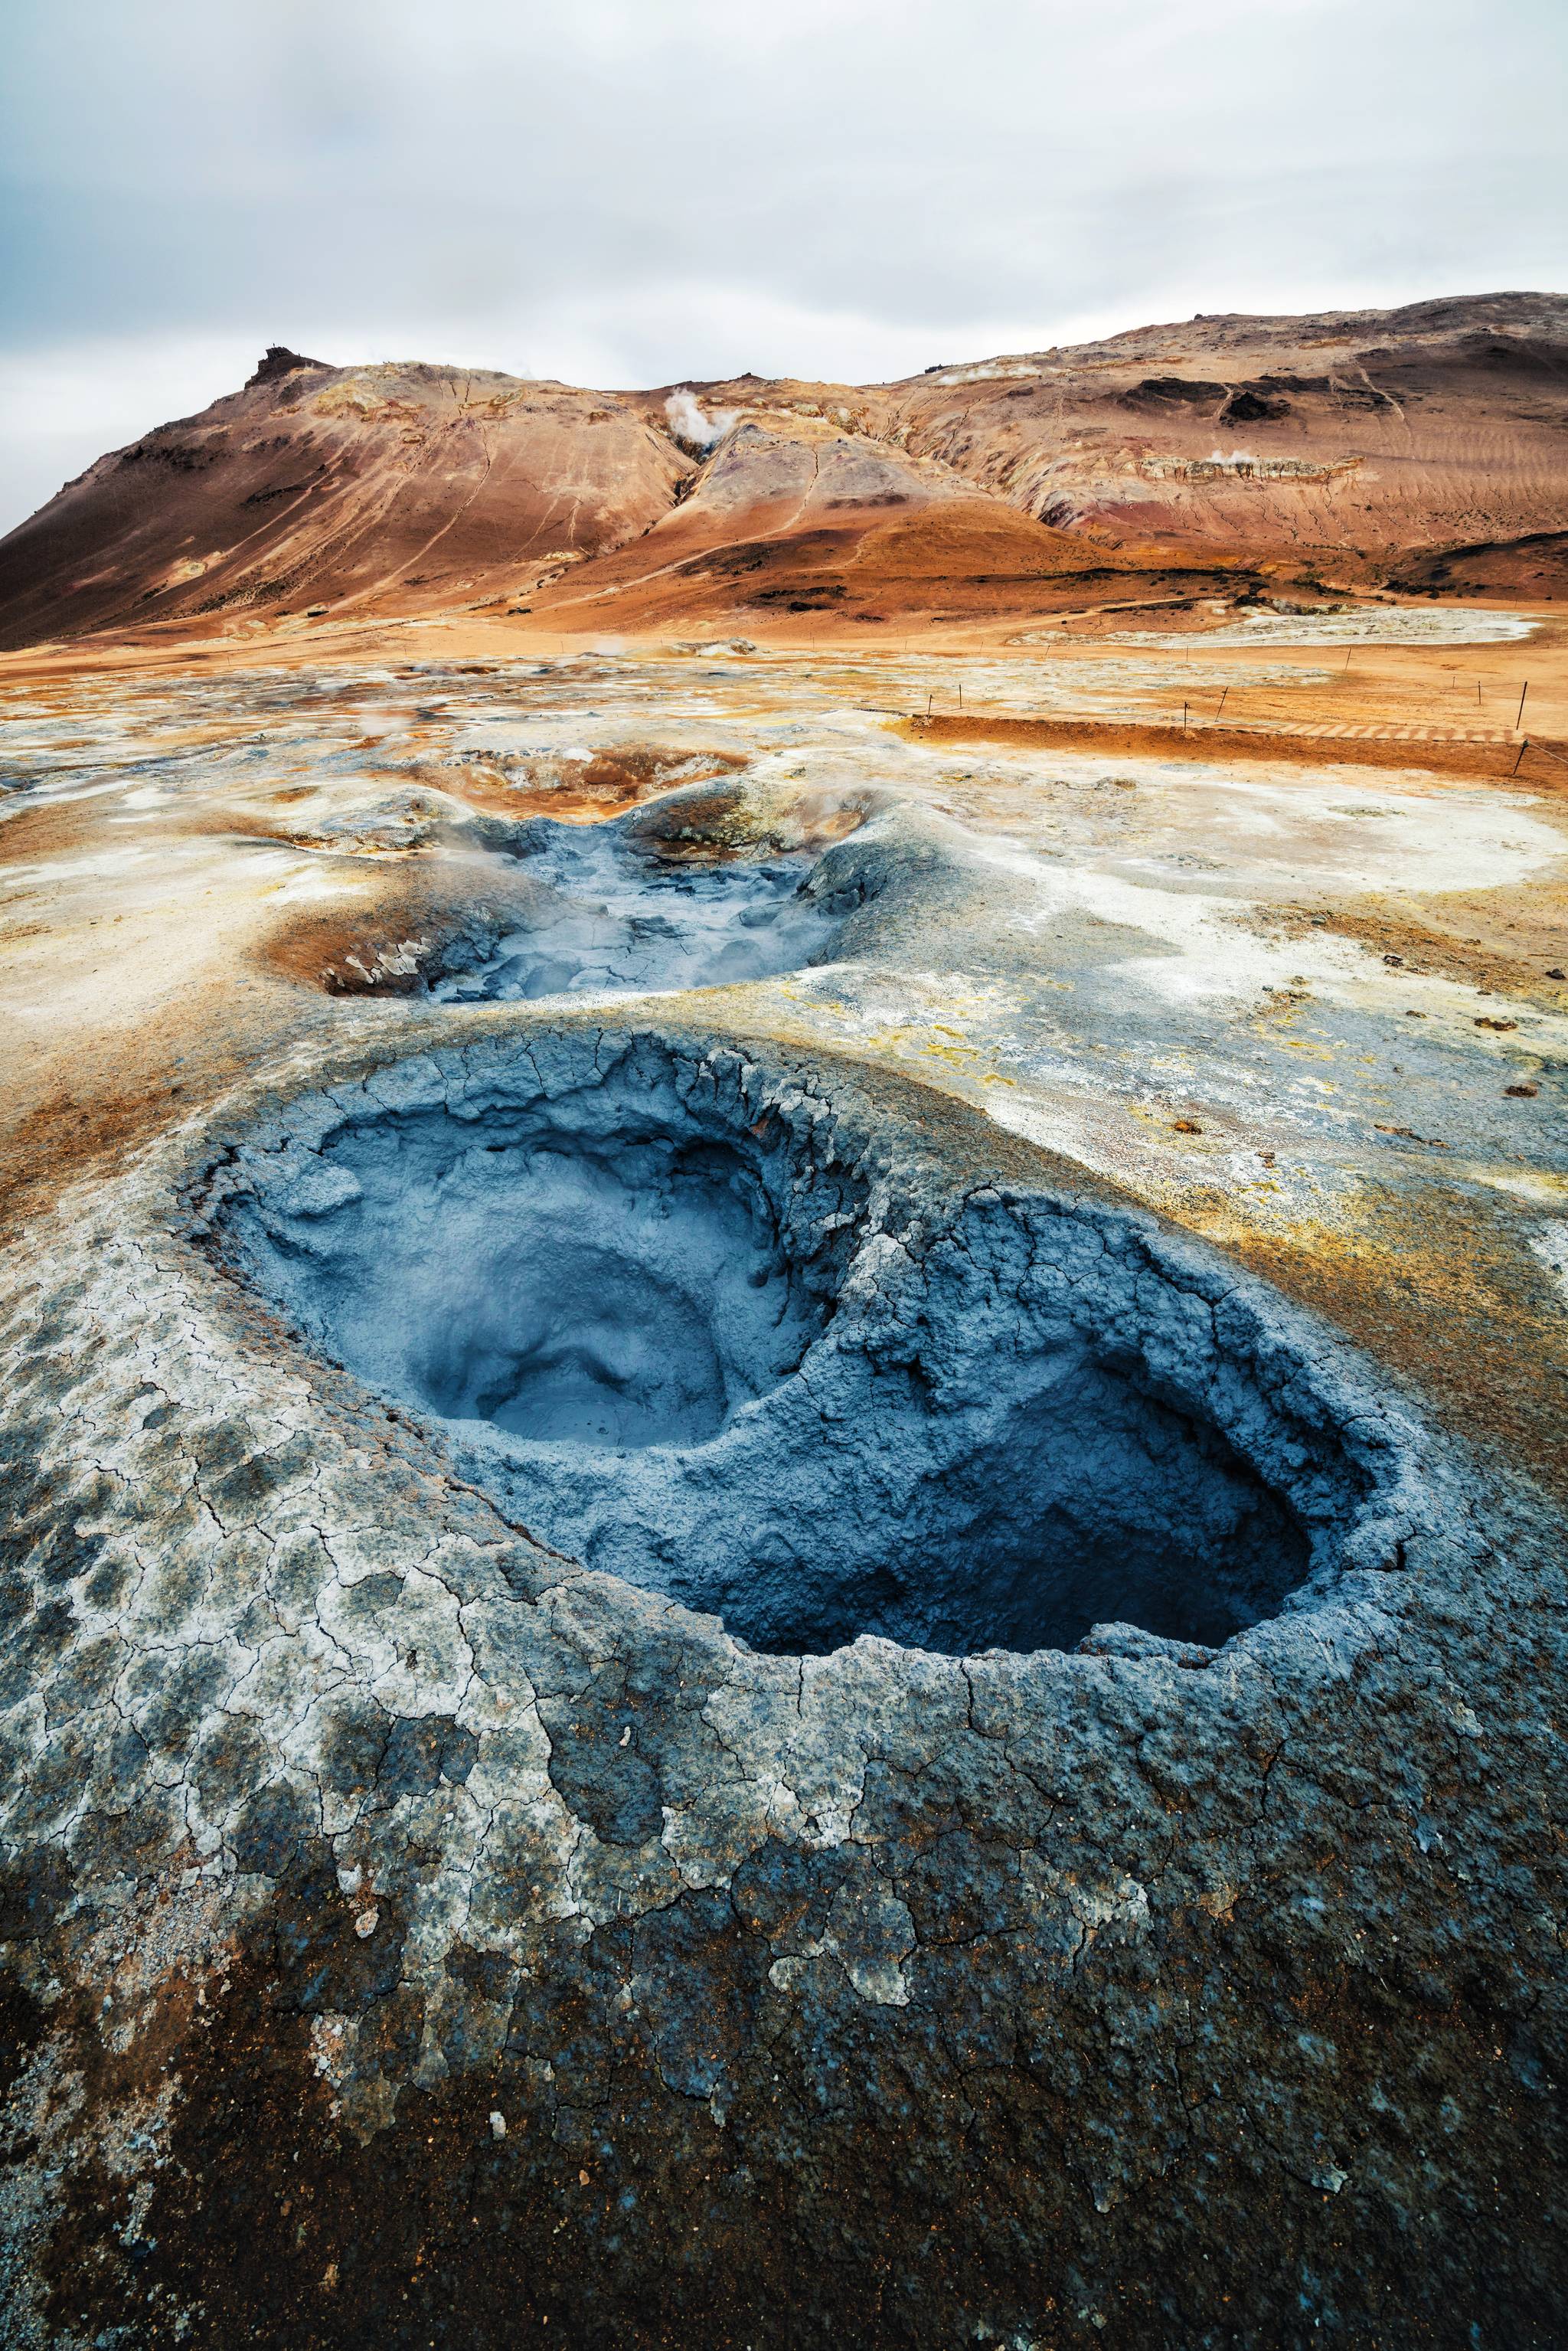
(419, 1936)
(462, 1873)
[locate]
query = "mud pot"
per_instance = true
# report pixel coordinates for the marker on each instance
(614, 915)
(696, 1337)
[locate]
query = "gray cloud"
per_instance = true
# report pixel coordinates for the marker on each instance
(658, 192)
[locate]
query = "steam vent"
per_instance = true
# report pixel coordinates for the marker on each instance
(783, 1344)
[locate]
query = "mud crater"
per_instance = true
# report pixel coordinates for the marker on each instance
(701, 1328)
(609, 916)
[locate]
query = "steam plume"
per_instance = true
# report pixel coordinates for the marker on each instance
(688, 424)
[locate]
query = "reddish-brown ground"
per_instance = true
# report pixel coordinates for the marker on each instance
(1421, 448)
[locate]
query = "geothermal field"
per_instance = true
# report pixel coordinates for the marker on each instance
(784, 1304)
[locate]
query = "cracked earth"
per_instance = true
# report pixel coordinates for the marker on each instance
(464, 1877)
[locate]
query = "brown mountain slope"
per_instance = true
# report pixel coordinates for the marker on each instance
(368, 489)
(1427, 447)
(1360, 445)
(795, 515)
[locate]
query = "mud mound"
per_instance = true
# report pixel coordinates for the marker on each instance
(584, 788)
(419, 929)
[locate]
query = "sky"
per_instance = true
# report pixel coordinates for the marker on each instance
(638, 191)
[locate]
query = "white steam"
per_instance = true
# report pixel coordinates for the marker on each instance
(688, 424)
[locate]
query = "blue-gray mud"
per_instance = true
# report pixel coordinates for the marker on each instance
(609, 917)
(424, 1920)
(706, 887)
(710, 1353)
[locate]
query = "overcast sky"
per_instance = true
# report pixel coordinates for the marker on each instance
(629, 192)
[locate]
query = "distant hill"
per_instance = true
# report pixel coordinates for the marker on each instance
(1424, 448)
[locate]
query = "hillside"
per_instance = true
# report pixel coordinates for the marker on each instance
(1421, 448)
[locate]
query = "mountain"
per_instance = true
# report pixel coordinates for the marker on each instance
(1424, 448)
(1357, 440)
(374, 488)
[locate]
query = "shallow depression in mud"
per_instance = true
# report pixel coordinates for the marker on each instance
(609, 916)
(562, 1279)
(693, 1329)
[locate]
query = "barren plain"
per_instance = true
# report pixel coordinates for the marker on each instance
(785, 1302)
